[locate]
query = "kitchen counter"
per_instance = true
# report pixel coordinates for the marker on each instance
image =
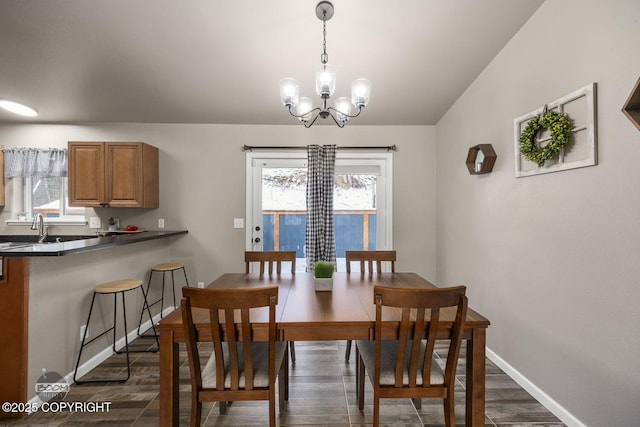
(45, 295)
(69, 247)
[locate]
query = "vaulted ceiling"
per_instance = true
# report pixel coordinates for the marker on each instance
(210, 61)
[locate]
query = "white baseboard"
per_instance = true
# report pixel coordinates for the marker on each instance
(103, 355)
(554, 407)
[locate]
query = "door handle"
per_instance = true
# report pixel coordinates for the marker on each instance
(256, 240)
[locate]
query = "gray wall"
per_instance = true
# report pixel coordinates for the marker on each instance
(553, 260)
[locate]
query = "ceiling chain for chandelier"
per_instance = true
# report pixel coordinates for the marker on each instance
(341, 112)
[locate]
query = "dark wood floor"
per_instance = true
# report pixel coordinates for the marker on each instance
(322, 393)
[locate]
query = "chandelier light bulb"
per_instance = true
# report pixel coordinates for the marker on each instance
(289, 90)
(343, 107)
(326, 81)
(360, 92)
(303, 109)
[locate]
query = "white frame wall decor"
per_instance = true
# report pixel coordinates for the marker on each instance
(580, 106)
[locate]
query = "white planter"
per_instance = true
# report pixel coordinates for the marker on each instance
(323, 284)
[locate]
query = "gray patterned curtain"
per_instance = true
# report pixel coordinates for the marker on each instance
(35, 162)
(320, 242)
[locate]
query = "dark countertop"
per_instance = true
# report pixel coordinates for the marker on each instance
(29, 249)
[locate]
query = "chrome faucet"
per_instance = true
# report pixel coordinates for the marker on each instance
(38, 224)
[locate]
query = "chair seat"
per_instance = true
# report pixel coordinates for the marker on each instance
(260, 366)
(388, 363)
(118, 286)
(168, 266)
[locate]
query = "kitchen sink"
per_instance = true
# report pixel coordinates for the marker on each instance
(20, 241)
(14, 245)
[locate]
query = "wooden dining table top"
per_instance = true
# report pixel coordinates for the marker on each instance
(348, 310)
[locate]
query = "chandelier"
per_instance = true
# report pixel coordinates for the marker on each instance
(342, 111)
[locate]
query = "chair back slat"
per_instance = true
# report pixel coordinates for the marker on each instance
(456, 337)
(414, 360)
(191, 343)
(403, 335)
(217, 334)
(246, 345)
(270, 258)
(231, 339)
(368, 258)
(431, 335)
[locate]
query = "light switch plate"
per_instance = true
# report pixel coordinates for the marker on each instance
(238, 222)
(94, 222)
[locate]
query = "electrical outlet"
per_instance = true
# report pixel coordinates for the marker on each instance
(94, 222)
(201, 285)
(82, 329)
(161, 223)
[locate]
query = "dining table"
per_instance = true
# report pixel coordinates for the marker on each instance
(347, 312)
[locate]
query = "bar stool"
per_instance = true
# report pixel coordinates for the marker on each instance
(164, 268)
(115, 288)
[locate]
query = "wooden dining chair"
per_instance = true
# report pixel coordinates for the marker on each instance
(367, 260)
(246, 359)
(270, 258)
(402, 365)
(371, 258)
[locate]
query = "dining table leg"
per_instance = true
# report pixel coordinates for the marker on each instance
(475, 383)
(169, 380)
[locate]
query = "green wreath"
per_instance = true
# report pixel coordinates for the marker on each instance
(560, 127)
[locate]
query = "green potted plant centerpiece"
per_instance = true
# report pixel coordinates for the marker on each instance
(113, 224)
(323, 275)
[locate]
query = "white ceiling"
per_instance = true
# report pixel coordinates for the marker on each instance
(210, 61)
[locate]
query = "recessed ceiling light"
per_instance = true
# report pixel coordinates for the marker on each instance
(18, 108)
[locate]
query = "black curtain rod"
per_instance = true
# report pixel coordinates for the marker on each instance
(302, 147)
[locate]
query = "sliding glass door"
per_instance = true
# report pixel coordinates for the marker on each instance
(276, 202)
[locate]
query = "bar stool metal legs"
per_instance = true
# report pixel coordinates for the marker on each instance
(164, 268)
(115, 288)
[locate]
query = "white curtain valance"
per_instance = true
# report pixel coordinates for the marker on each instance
(35, 162)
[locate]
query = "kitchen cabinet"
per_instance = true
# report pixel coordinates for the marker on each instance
(113, 174)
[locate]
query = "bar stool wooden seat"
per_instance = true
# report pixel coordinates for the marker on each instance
(114, 288)
(164, 268)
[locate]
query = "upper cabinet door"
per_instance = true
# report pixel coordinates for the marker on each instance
(124, 183)
(86, 174)
(127, 176)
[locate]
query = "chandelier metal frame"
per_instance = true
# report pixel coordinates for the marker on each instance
(324, 86)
